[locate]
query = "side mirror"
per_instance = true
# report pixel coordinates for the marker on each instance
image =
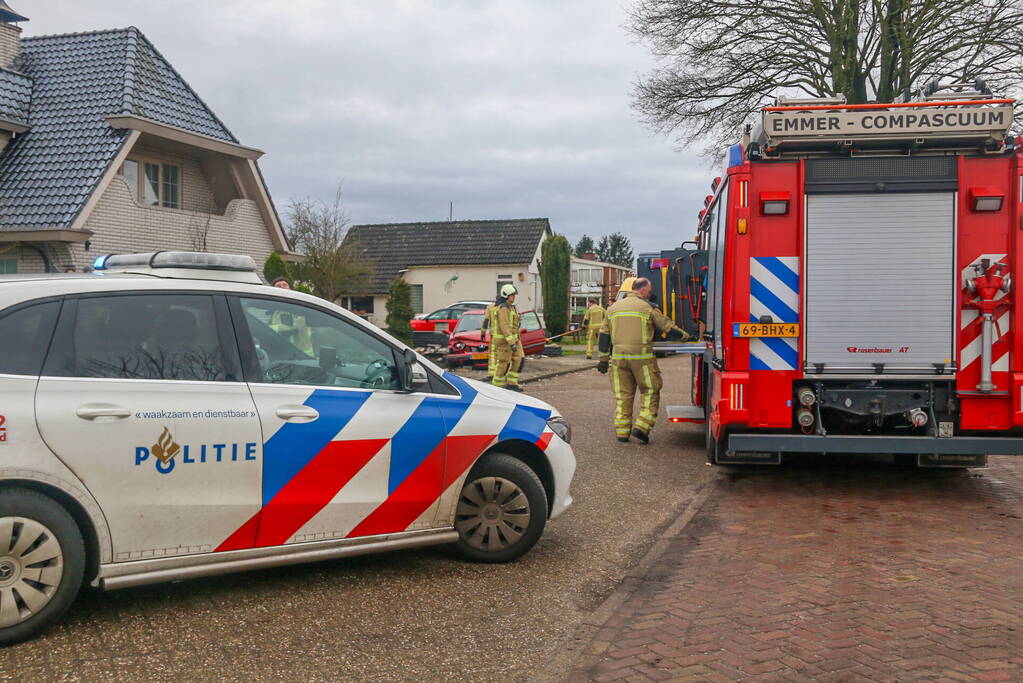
(413, 376)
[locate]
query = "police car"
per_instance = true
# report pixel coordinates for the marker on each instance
(169, 417)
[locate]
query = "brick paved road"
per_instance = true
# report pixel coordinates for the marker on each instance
(855, 571)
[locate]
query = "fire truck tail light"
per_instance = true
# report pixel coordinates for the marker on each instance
(986, 199)
(774, 203)
(740, 226)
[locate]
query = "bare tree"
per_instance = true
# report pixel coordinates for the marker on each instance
(200, 222)
(318, 229)
(720, 61)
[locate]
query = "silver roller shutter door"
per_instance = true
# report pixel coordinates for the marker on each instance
(880, 281)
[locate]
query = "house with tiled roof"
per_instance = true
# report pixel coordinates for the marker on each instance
(449, 261)
(105, 148)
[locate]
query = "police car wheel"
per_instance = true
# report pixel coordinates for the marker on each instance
(42, 561)
(501, 512)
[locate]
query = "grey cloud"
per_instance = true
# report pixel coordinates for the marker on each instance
(508, 108)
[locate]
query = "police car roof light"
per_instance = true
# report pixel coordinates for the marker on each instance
(192, 260)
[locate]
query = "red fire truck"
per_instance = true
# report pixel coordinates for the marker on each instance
(858, 294)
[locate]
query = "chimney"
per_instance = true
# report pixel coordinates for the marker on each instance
(10, 37)
(589, 256)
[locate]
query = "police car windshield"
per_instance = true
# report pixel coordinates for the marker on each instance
(469, 322)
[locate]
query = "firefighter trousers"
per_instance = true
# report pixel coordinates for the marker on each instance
(491, 357)
(591, 339)
(506, 373)
(626, 377)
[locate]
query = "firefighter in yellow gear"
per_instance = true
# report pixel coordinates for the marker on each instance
(627, 340)
(506, 345)
(594, 320)
(489, 325)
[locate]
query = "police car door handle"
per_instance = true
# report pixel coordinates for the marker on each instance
(92, 411)
(297, 413)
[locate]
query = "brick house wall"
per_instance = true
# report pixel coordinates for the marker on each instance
(120, 224)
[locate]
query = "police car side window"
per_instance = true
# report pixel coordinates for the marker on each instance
(297, 344)
(144, 336)
(26, 336)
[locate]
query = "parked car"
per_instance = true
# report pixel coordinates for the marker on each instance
(448, 314)
(174, 418)
(467, 342)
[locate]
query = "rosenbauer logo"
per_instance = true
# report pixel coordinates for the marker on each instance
(165, 451)
(874, 349)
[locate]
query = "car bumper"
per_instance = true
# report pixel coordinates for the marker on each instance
(463, 358)
(562, 460)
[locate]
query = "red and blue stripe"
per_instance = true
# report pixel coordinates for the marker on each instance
(305, 467)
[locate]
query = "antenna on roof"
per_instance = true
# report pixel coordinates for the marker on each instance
(451, 205)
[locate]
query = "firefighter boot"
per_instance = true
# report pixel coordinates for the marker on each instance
(644, 437)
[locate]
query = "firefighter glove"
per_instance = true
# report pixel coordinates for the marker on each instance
(677, 334)
(602, 367)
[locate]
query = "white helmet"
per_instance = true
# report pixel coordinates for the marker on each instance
(508, 290)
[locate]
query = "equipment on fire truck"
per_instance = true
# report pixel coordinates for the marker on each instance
(989, 281)
(824, 282)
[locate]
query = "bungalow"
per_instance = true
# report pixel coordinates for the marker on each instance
(449, 261)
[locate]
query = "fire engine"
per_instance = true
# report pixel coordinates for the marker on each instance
(852, 277)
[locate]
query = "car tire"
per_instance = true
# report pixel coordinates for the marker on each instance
(501, 511)
(36, 593)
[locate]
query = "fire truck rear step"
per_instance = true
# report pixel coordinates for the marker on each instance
(692, 414)
(913, 445)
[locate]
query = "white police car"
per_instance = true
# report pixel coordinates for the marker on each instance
(173, 418)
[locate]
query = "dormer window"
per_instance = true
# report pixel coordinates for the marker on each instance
(154, 183)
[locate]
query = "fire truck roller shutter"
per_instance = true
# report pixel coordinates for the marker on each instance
(880, 281)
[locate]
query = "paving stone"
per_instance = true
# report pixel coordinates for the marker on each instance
(852, 570)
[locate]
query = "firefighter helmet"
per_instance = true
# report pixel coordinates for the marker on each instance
(508, 290)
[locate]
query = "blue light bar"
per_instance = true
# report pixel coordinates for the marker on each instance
(101, 262)
(734, 157)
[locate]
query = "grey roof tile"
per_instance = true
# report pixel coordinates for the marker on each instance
(391, 247)
(77, 80)
(15, 96)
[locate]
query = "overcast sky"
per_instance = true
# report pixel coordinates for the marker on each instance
(508, 108)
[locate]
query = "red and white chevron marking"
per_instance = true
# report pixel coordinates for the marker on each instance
(970, 337)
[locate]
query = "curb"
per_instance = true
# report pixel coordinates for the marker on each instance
(578, 646)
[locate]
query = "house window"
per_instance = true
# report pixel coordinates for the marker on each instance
(503, 280)
(8, 266)
(359, 305)
(155, 184)
(417, 298)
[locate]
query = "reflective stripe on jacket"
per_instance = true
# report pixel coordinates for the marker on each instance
(633, 324)
(507, 327)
